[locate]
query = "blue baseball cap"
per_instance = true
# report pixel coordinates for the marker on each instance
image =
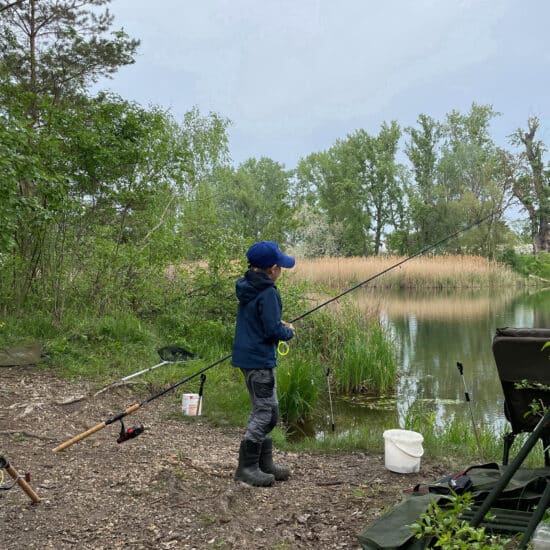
(264, 254)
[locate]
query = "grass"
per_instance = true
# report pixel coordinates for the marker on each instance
(299, 380)
(353, 345)
(421, 272)
(455, 444)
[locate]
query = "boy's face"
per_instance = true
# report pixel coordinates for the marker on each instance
(274, 272)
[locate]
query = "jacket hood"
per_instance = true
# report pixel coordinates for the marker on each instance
(249, 286)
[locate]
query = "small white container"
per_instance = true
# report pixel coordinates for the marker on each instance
(541, 537)
(403, 450)
(189, 404)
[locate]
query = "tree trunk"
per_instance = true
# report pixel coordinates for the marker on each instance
(541, 241)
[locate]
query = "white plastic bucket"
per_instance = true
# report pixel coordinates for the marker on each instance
(189, 404)
(403, 450)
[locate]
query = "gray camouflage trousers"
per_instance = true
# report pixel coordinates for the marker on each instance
(262, 389)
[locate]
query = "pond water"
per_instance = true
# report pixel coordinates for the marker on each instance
(434, 330)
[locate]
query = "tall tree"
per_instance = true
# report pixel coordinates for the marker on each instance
(458, 179)
(114, 180)
(378, 172)
(335, 192)
(423, 151)
(50, 52)
(530, 181)
(358, 186)
(57, 48)
(255, 200)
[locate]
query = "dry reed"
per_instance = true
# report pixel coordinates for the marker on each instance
(421, 272)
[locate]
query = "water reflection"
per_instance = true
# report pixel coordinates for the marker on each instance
(434, 330)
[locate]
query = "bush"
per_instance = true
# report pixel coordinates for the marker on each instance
(528, 264)
(447, 531)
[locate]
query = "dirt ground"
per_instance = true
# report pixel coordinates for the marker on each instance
(172, 487)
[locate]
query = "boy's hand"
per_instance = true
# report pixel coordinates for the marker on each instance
(289, 325)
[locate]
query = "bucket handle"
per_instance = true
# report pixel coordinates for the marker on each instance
(407, 452)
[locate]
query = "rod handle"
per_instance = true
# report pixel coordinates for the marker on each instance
(23, 484)
(80, 437)
(95, 428)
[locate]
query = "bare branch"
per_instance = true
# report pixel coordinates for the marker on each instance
(8, 6)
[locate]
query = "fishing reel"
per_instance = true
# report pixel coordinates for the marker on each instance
(129, 433)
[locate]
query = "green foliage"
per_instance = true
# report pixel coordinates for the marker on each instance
(58, 48)
(378, 172)
(355, 348)
(529, 178)
(445, 529)
(299, 378)
(528, 264)
(459, 178)
(355, 186)
(339, 198)
(315, 237)
(106, 235)
(94, 188)
(253, 201)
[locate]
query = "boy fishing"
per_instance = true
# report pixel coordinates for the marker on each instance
(258, 331)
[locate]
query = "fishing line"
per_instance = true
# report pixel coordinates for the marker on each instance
(137, 406)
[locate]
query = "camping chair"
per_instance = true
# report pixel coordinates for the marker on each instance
(517, 498)
(524, 372)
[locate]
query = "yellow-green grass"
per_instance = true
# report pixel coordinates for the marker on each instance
(421, 272)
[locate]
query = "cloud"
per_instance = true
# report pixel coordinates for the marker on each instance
(287, 70)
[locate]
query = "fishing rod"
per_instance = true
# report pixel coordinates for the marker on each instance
(169, 355)
(20, 479)
(136, 406)
(327, 372)
(460, 368)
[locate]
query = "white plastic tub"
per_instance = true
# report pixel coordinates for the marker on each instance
(189, 404)
(403, 451)
(541, 537)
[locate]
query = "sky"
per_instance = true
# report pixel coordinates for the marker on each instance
(295, 76)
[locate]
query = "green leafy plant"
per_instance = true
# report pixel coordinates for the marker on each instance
(445, 529)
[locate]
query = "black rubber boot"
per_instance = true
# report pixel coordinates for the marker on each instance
(280, 471)
(248, 469)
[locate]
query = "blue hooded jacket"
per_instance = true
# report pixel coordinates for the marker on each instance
(259, 328)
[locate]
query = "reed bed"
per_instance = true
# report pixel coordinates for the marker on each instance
(352, 345)
(421, 272)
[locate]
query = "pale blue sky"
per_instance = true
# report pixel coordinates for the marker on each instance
(294, 76)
